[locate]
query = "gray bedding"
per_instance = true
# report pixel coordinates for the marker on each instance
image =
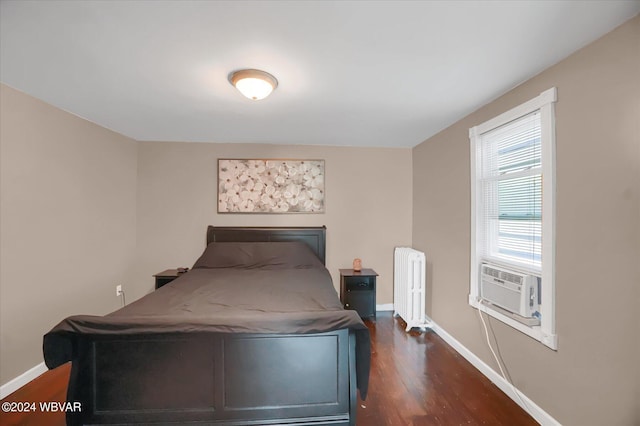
(276, 288)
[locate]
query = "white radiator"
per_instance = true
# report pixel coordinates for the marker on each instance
(409, 283)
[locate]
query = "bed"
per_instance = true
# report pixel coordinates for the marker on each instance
(253, 334)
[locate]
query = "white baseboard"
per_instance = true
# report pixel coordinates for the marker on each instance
(13, 385)
(536, 412)
(385, 307)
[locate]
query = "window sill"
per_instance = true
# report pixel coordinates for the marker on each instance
(535, 332)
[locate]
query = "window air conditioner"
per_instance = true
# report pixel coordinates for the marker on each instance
(510, 290)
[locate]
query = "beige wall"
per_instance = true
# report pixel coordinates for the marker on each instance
(368, 205)
(67, 222)
(593, 378)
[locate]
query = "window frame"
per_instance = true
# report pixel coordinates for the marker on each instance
(545, 104)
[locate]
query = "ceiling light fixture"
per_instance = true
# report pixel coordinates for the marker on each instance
(254, 84)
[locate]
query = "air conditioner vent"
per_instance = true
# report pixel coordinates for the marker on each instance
(502, 275)
(516, 279)
(490, 271)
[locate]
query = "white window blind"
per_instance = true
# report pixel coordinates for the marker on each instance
(510, 194)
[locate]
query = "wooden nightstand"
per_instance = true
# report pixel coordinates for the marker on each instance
(165, 277)
(358, 291)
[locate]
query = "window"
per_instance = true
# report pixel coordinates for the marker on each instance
(512, 208)
(509, 188)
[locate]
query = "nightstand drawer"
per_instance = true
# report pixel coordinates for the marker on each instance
(359, 283)
(165, 277)
(160, 281)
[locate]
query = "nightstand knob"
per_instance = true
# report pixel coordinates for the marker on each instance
(346, 304)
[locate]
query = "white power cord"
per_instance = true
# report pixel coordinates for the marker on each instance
(486, 333)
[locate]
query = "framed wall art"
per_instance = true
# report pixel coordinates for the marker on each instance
(270, 186)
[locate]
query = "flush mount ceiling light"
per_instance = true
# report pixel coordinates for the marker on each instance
(254, 84)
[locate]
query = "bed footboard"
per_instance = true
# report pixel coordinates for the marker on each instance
(225, 379)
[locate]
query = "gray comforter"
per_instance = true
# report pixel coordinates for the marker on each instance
(231, 289)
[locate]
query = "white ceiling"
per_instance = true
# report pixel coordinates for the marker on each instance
(361, 73)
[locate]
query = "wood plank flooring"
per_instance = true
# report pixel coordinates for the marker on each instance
(416, 379)
(49, 387)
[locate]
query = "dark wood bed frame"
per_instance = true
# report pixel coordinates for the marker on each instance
(219, 379)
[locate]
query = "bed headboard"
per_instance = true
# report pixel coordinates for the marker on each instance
(314, 237)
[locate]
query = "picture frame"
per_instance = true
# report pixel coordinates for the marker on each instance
(271, 186)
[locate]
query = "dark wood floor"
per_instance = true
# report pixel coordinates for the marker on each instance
(416, 379)
(49, 387)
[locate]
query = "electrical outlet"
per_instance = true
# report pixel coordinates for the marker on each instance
(118, 290)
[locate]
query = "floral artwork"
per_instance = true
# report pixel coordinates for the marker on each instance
(270, 186)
